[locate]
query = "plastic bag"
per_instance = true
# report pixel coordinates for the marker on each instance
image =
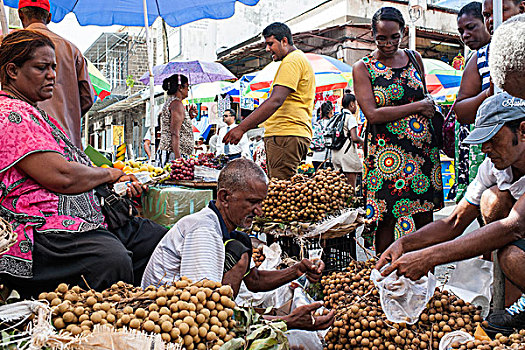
(205, 173)
(456, 336)
(276, 297)
(471, 281)
(402, 299)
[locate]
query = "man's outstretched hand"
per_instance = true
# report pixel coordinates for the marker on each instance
(233, 136)
(312, 269)
(390, 255)
(304, 318)
(413, 265)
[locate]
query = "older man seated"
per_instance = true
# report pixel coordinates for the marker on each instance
(207, 245)
(498, 190)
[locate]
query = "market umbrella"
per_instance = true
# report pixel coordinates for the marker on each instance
(132, 12)
(100, 84)
(141, 13)
(445, 96)
(440, 75)
(330, 74)
(437, 66)
(197, 72)
(206, 92)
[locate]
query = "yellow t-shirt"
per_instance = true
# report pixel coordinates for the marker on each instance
(294, 117)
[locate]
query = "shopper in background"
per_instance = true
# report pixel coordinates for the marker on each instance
(317, 145)
(213, 143)
(402, 165)
(287, 113)
(176, 131)
(242, 149)
(74, 94)
(346, 159)
(147, 143)
(476, 86)
(474, 34)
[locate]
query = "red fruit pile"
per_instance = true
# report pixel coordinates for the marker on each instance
(182, 169)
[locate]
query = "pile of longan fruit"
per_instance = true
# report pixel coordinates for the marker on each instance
(500, 342)
(306, 199)
(197, 315)
(258, 256)
(361, 323)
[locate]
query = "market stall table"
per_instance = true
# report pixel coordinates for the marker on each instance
(197, 184)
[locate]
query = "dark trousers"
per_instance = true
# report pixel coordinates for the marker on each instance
(100, 256)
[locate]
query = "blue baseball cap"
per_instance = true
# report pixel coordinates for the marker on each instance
(493, 113)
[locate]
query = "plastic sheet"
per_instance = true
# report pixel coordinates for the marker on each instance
(402, 299)
(168, 204)
(206, 174)
(471, 281)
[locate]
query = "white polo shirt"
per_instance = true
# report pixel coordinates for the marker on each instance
(193, 248)
(489, 176)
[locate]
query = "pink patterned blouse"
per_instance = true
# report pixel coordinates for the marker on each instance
(28, 206)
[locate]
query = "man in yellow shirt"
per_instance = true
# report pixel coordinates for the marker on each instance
(287, 114)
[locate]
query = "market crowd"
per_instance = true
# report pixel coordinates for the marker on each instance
(55, 199)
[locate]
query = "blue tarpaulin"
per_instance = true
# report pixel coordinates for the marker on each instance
(131, 12)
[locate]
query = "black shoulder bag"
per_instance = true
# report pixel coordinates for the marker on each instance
(117, 210)
(437, 120)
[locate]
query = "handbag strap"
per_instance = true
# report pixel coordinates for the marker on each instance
(412, 57)
(449, 114)
(109, 196)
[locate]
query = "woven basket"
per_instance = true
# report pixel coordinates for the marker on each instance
(8, 237)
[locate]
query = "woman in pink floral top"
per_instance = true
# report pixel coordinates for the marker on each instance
(46, 185)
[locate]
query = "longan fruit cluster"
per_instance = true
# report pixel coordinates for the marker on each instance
(306, 199)
(197, 315)
(361, 323)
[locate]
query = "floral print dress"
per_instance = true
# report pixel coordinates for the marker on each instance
(402, 169)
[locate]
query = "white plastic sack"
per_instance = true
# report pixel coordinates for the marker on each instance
(309, 340)
(347, 217)
(402, 299)
(275, 298)
(456, 336)
(471, 281)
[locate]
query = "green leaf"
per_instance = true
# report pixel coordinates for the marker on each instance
(280, 325)
(268, 310)
(233, 344)
(256, 332)
(264, 344)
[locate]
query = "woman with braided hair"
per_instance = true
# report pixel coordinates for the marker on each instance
(176, 131)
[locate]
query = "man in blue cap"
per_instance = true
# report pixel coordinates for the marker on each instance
(499, 192)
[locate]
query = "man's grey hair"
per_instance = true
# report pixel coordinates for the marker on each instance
(507, 56)
(239, 173)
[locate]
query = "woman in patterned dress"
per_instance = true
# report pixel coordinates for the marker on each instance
(176, 131)
(402, 170)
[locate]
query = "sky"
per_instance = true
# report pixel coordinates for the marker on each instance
(81, 36)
